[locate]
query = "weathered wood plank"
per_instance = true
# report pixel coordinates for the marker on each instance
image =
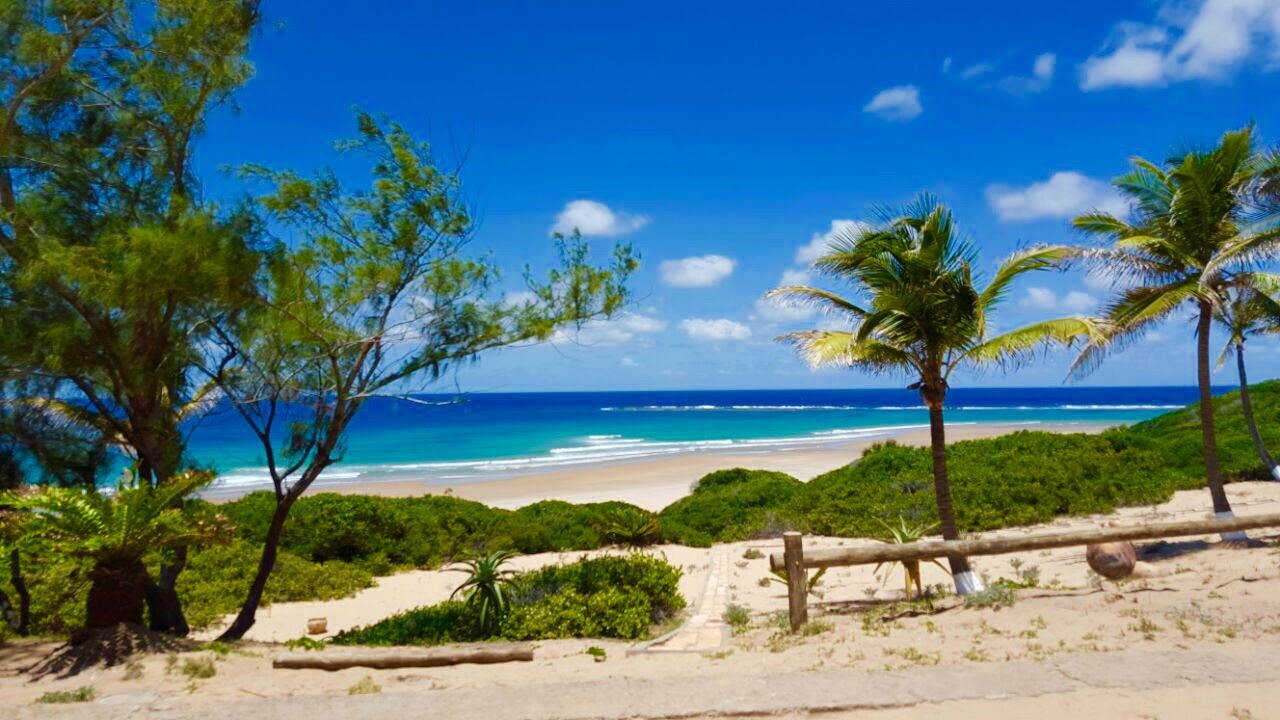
(401, 657)
(839, 557)
(797, 579)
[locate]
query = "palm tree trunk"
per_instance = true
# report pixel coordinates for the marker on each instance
(270, 547)
(966, 582)
(1213, 471)
(1246, 408)
(117, 594)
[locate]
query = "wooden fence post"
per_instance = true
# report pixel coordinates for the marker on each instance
(797, 582)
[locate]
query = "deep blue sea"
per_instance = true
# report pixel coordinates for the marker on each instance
(484, 436)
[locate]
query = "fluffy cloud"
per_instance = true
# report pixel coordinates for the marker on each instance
(820, 242)
(794, 277)
(1040, 79)
(976, 69)
(615, 331)
(896, 103)
(773, 310)
(696, 272)
(591, 217)
(715, 330)
(1210, 42)
(1063, 195)
(1042, 298)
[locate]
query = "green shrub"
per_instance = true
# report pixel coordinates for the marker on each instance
(81, 694)
(618, 597)
(218, 577)
(732, 505)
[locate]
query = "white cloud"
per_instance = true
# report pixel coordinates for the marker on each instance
(1039, 298)
(774, 310)
(896, 103)
(819, 243)
(1063, 195)
(1210, 41)
(1079, 302)
(976, 69)
(628, 361)
(696, 272)
(794, 277)
(715, 330)
(517, 299)
(615, 331)
(591, 217)
(946, 64)
(1039, 80)
(1042, 298)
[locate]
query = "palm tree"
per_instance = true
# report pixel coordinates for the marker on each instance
(115, 532)
(924, 318)
(1248, 312)
(1196, 232)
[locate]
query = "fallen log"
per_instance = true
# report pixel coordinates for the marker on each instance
(390, 658)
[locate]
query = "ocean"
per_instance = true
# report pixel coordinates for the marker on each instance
(492, 435)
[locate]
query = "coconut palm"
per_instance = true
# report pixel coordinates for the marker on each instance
(1247, 313)
(1197, 229)
(115, 532)
(924, 317)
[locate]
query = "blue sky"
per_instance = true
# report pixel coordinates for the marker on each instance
(722, 139)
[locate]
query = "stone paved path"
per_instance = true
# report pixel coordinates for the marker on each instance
(705, 631)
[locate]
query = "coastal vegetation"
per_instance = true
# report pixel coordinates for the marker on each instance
(335, 545)
(609, 596)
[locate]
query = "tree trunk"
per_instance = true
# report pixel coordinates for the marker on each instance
(966, 582)
(1213, 471)
(117, 594)
(23, 628)
(1246, 408)
(248, 612)
(163, 604)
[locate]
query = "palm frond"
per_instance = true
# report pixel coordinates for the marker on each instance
(1016, 345)
(804, 296)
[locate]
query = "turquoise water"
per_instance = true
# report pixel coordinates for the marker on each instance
(485, 436)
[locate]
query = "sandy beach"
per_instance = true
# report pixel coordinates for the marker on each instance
(1200, 615)
(657, 482)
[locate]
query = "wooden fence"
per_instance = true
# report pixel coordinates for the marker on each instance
(795, 561)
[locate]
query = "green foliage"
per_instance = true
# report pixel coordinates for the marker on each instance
(596, 652)
(810, 586)
(997, 595)
(381, 534)
(304, 643)
(81, 694)
(738, 618)
(199, 668)
(610, 596)
(731, 505)
(630, 527)
(365, 686)
(486, 589)
(217, 578)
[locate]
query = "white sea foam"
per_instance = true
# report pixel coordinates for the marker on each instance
(595, 449)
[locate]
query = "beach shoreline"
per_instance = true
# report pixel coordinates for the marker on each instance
(655, 482)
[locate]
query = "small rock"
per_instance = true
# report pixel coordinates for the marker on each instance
(1113, 561)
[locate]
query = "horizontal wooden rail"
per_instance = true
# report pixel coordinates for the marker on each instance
(840, 557)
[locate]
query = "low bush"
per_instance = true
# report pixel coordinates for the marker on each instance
(731, 505)
(611, 596)
(218, 577)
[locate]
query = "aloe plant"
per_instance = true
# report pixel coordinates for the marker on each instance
(486, 591)
(901, 534)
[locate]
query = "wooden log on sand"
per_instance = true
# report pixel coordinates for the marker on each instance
(401, 657)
